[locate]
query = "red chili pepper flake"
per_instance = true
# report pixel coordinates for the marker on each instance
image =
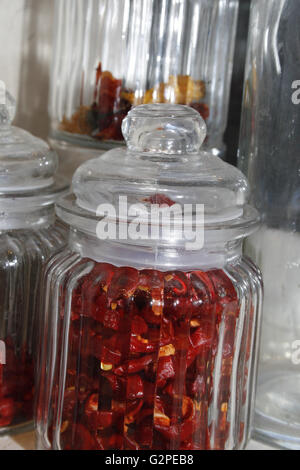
(159, 199)
(143, 346)
(110, 355)
(135, 387)
(123, 284)
(165, 370)
(134, 365)
(7, 411)
(202, 109)
(112, 317)
(16, 386)
(97, 420)
(79, 437)
(138, 326)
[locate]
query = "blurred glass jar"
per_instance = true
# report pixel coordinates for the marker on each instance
(110, 55)
(149, 343)
(28, 237)
(269, 156)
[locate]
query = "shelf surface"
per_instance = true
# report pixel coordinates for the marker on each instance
(27, 442)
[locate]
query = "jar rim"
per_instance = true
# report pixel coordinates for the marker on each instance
(232, 229)
(36, 196)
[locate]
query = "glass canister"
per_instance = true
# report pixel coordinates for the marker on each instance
(269, 155)
(111, 55)
(28, 236)
(150, 334)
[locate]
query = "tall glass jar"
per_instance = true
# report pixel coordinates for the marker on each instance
(150, 336)
(269, 155)
(111, 55)
(28, 237)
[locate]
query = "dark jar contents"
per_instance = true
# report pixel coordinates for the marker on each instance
(103, 119)
(16, 387)
(23, 254)
(149, 362)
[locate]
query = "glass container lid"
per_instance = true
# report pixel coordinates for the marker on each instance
(163, 167)
(27, 164)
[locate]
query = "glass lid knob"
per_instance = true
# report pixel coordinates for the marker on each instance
(7, 108)
(164, 128)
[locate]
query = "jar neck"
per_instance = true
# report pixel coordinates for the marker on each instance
(28, 219)
(158, 257)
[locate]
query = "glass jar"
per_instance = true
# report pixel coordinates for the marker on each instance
(28, 236)
(110, 56)
(269, 148)
(150, 340)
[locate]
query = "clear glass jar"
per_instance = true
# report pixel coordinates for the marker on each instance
(150, 343)
(29, 235)
(269, 148)
(111, 55)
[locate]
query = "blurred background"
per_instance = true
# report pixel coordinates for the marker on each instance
(26, 33)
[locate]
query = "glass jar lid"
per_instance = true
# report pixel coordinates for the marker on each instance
(27, 164)
(163, 165)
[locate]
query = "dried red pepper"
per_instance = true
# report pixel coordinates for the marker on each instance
(16, 386)
(112, 102)
(140, 369)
